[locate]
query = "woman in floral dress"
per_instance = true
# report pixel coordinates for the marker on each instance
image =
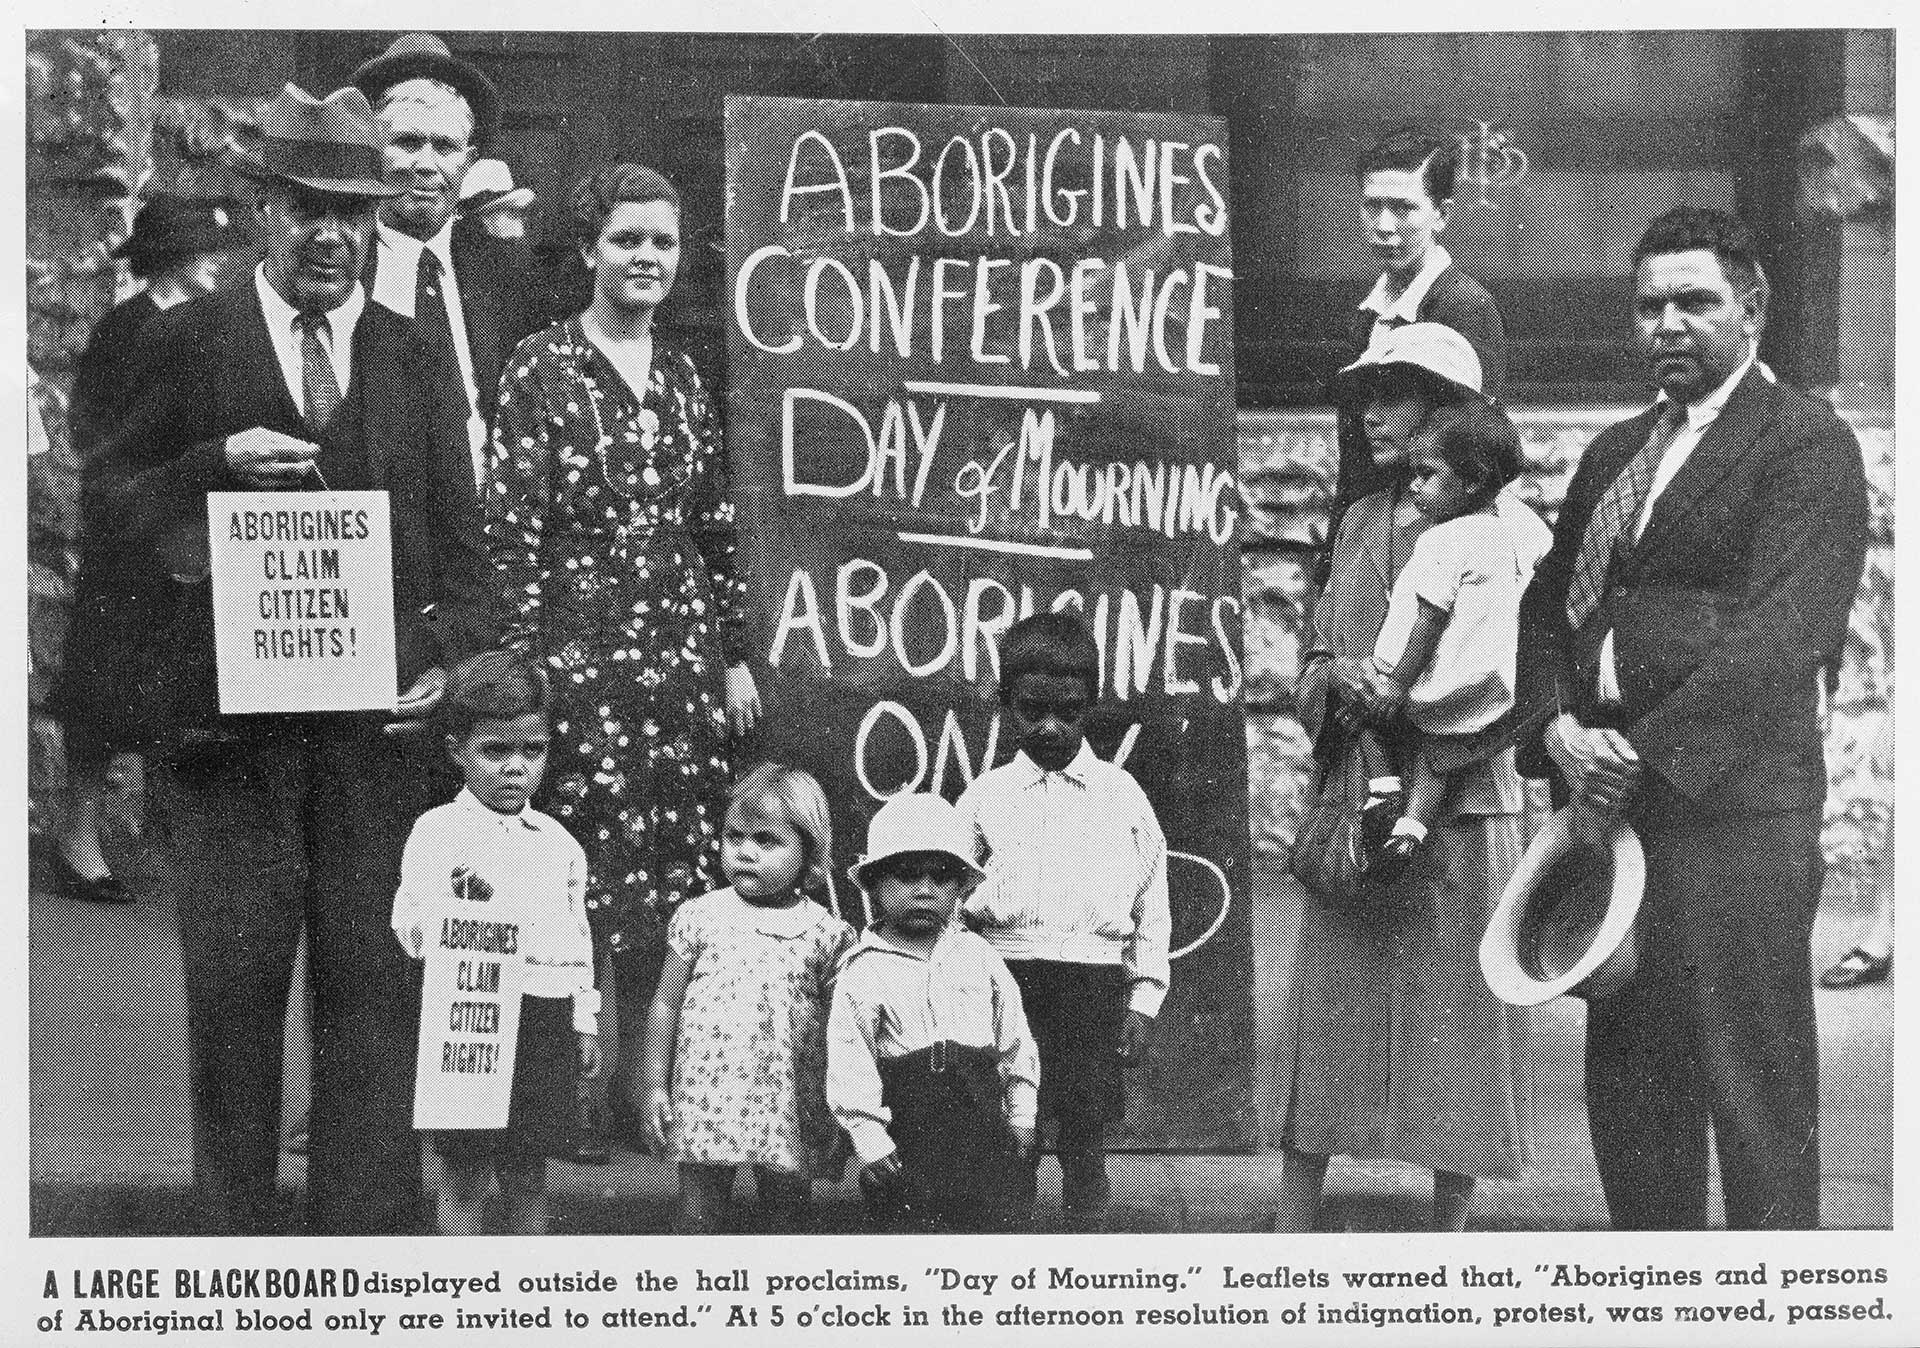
(609, 520)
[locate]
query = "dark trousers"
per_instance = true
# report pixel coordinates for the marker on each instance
(1716, 1027)
(957, 1154)
(301, 827)
(1076, 1012)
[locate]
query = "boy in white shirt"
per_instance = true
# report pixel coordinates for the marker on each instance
(1075, 895)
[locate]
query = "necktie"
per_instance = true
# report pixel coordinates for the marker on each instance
(1617, 515)
(430, 305)
(319, 386)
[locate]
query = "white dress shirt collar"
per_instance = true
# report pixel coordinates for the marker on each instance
(1406, 308)
(472, 804)
(338, 337)
(1075, 771)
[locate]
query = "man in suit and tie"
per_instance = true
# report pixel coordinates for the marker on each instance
(1672, 643)
(291, 381)
(476, 297)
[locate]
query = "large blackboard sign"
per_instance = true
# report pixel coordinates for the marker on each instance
(982, 365)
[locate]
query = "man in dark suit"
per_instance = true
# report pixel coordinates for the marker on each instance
(275, 823)
(1406, 197)
(474, 295)
(1672, 643)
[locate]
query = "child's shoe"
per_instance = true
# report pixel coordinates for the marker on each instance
(1385, 803)
(1396, 853)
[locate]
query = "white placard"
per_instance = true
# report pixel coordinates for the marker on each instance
(302, 600)
(469, 1016)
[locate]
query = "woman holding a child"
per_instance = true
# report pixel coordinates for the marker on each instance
(609, 520)
(1402, 1052)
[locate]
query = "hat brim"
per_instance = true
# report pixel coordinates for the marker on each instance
(1347, 386)
(339, 187)
(860, 869)
(518, 199)
(383, 72)
(1607, 960)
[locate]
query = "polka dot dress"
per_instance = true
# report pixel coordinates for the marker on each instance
(610, 526)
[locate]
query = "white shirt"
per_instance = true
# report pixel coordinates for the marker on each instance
(1390, 313)
(1701, 414)
(1475, 567)
(336, 337)
(396, 280)
(1076, 870)
(536, 869)
(889, 1001)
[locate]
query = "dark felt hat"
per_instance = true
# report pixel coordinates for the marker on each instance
(176, 226)
(327, 145)
(415, 56)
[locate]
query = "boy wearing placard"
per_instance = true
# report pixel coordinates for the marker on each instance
(487, 874)
(1075, 895)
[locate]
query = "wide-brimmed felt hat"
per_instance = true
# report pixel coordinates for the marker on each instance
(916, 822)
(1431, 352)
(1566, 921)
(414, 56)
(330, 144)
(488, 186)
(175, 226)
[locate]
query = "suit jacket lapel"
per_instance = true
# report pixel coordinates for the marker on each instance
(259, 364)
(1725, 443)
(373, 363)
(479, 305)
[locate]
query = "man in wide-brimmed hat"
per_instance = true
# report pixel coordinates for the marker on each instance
(474, 296)
(278, 823)
(1671, 650)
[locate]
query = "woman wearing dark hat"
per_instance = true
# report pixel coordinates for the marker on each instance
(1402, 1052)
(177, 247)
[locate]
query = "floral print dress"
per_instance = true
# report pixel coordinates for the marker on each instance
(750, 1064)
(610, 526)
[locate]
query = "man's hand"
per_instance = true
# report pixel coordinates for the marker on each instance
(1600, 767)
(267, 458)
(1133, 1037)
(417, 703)
(1363, 685)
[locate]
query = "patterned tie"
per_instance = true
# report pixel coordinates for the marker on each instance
(1617, 515)
(319, 386)
(430, 304)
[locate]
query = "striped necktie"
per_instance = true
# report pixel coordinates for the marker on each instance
(319, 385)
(1617, 515)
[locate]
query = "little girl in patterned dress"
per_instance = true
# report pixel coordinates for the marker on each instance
(736, 1038)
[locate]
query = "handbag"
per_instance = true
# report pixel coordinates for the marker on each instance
(1329, 856)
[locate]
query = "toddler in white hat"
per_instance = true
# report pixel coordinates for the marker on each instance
(931, 1068)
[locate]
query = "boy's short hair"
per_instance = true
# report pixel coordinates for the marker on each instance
(491, 686)
(1478, 441)
(1409, 150)
(801, 803)
(1049, 643)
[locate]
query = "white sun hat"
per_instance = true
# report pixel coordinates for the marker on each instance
(917, 822)
(1566, 921)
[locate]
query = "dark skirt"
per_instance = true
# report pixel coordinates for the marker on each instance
(540, 1118)
(951, 1133)
(1076, 1012)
